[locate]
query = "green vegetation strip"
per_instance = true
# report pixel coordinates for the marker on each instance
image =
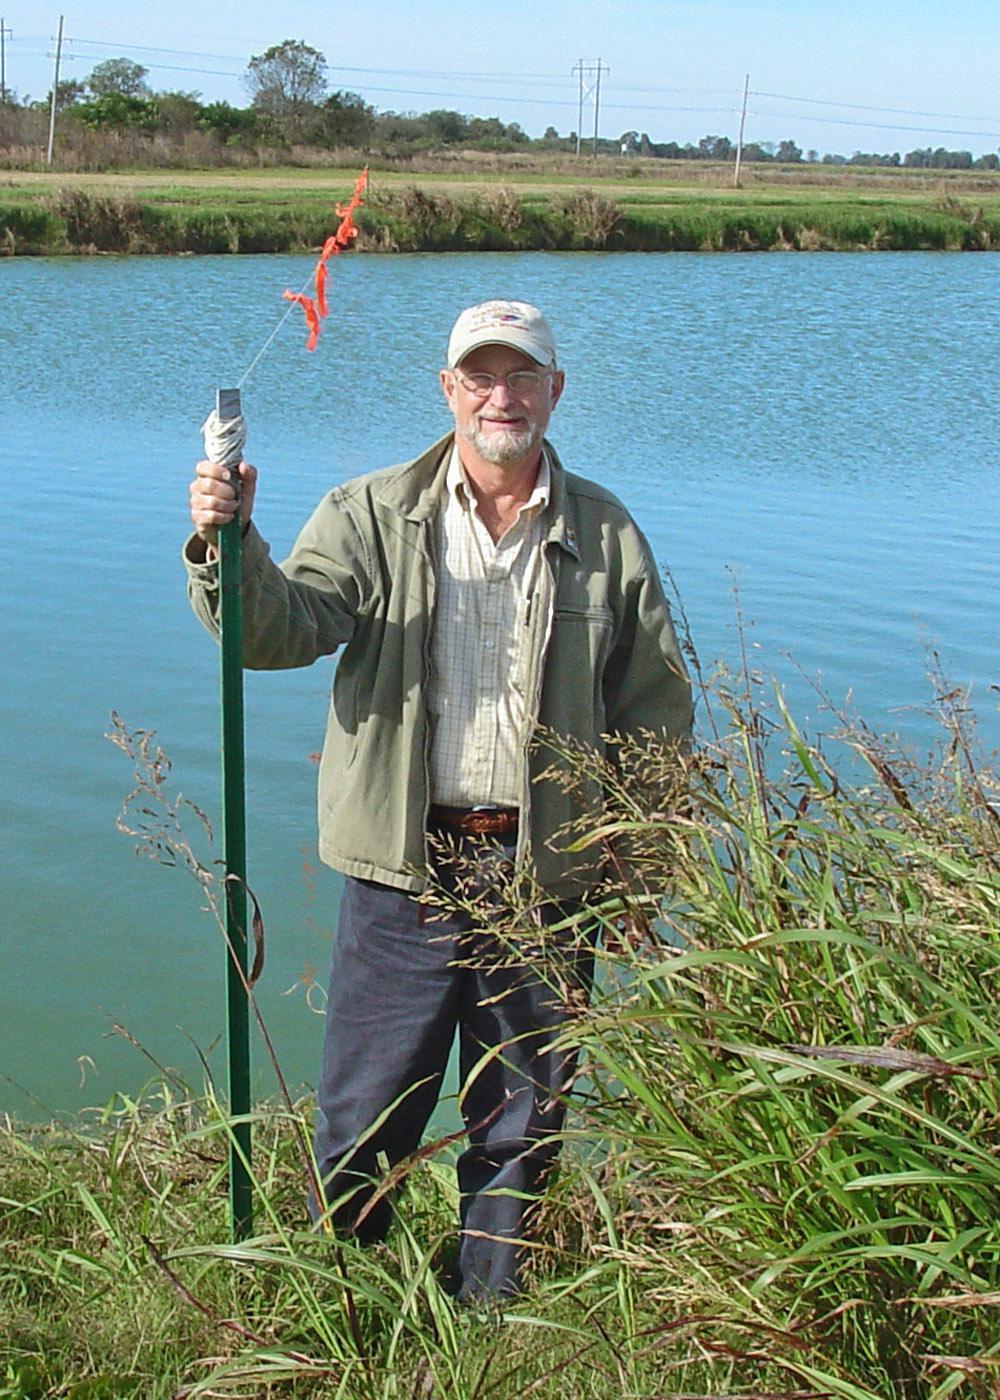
(280, 216)
(780, 1179)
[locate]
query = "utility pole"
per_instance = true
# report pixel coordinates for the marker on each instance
(55, 89)
(739, 139)
(579, 115)
(3, 60)
(590, 86)
(597, 104)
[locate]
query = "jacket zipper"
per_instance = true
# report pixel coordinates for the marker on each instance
(431, 574)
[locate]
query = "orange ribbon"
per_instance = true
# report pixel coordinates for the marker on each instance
(315, 308)
(311, 315)
(320, 281)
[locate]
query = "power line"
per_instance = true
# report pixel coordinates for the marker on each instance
(877, 126)
(423, 92)
(445, 73)
(163, 67)
(865, 107)
(556, 79)
(333, 68)
(499, 77)
(450, 95)
(496, 76)
(418, 92)
(149, 48)
(556, 82)
(609, 106)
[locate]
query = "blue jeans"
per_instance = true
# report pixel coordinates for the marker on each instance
(402, 981)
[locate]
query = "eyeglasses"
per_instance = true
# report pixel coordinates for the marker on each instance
(520, 382)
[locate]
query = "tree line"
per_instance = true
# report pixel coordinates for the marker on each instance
(721, 148)
(291, 103)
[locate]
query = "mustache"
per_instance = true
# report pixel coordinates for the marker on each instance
(501, 447)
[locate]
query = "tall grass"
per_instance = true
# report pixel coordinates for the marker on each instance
(797, 1071)
(781, 1177)
(421, 218)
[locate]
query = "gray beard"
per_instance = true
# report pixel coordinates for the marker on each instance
(502, 448)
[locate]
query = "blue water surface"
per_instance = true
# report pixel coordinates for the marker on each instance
(807, 439)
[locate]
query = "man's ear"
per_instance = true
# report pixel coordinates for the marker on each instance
(558, 385)
(447, 380)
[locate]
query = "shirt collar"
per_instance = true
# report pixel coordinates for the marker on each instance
(457, 483)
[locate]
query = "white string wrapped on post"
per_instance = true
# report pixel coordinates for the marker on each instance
(225, 439)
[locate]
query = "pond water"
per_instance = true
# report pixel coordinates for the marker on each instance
(815, 432)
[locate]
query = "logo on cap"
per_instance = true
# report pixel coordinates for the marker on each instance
(513, 323)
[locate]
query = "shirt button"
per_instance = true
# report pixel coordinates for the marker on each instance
(489, 643)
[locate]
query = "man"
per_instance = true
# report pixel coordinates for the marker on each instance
(480, 593)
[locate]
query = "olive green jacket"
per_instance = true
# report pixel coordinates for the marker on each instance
(361, 577)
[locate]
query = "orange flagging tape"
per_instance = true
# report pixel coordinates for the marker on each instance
(315, 308)
(311, 313)
(320, 279)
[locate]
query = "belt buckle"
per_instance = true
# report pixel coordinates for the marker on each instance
(480, 821)
(492, 821)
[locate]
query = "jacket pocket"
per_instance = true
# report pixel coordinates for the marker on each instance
(596, 615)
(574, 672)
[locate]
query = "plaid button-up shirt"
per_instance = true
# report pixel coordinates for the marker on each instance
(476, 695)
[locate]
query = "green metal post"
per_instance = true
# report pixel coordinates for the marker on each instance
(234, 856)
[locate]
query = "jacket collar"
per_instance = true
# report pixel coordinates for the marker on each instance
(416, 488)
(562, 514)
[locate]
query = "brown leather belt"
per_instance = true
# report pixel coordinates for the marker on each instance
(487, 821)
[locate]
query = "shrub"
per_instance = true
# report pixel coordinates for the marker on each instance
(29, 228)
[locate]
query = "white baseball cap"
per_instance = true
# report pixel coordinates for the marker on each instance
(513, 323)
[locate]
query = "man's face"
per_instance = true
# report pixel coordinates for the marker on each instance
(505, 426)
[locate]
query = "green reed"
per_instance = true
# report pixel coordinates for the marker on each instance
(794, 1071)
(453, 215)
(780, 1177)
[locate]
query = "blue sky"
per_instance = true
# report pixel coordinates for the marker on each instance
(845, 76)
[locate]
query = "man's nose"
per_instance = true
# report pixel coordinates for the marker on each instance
(500, 393)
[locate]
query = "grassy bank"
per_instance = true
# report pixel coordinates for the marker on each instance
(781, 1179)
(291, 210)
